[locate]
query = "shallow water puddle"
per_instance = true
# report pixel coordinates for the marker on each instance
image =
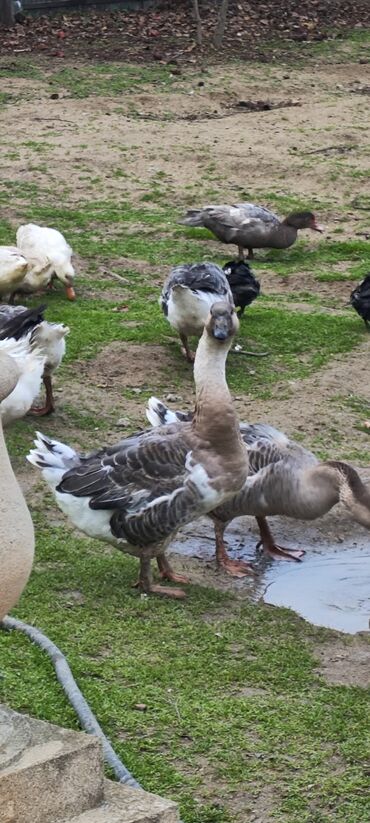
(330, 587)
(330, 590)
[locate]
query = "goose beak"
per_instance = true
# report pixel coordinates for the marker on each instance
(221, 328)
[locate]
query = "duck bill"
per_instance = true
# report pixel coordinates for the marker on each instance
(316, 227)
(70, 292)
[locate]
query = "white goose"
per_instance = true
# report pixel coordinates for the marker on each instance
(19, 322)
(136, 494)
(13, 267)
(48, 254)
(187, 296)
(284, 479)
(30, 361)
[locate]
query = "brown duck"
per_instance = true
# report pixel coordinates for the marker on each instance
(249, 226)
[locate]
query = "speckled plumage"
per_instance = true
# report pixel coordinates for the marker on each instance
(284, 478)
(138, 492)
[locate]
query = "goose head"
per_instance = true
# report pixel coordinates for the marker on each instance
(353, 493)
(303, 220)
(222, 323)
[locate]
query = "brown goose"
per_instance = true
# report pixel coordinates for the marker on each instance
(136, 494)
(249, 226)
(284, 479)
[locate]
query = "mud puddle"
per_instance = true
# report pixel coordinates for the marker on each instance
(330, 587)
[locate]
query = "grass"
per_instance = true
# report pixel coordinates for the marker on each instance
(189, 664)
(238, 722)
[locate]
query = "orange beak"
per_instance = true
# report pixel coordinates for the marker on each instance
(70, 292)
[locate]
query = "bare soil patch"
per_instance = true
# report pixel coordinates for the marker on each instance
(103, 137)
(345, 664)
(127, 365)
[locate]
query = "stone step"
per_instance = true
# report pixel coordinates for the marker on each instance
(54, 775)
(125, 805)
(46, 771)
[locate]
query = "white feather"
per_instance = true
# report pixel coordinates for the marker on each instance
(188, 310)
(200, 478)
(30, 362)
(13, 267)
(47, 252)
(153, 415)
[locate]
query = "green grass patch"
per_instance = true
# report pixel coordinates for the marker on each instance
(192, 665)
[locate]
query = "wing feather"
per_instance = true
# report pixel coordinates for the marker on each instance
(148, 482)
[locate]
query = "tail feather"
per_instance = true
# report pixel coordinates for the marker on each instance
(160, 415)
(22, 323)
(193, 217)
(51, 454)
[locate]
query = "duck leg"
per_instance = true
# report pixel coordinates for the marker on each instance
(241, 255)
(271, 548)
(146, 585)
(250, 254)
(236, 568)
(190, 356)
(70, 292)
(49, 406)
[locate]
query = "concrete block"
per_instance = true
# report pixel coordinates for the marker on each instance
(46, 772)
(125, 805)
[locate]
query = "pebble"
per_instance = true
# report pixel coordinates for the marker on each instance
(123, 422)
(173, 398)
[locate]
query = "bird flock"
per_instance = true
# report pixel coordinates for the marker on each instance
(137, 493)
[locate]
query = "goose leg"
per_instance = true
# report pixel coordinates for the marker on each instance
(167, 573)
(236, 568)
(49, 407)
(190, 356)
(145, 582)
(271, 548)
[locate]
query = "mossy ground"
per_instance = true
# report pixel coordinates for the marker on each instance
(238, 721)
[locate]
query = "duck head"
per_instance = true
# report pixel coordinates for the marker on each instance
(303, 220)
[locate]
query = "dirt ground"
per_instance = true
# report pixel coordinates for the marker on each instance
(312, 144)
(303, 144)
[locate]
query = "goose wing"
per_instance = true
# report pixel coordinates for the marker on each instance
(265, 445)
(149, 481)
